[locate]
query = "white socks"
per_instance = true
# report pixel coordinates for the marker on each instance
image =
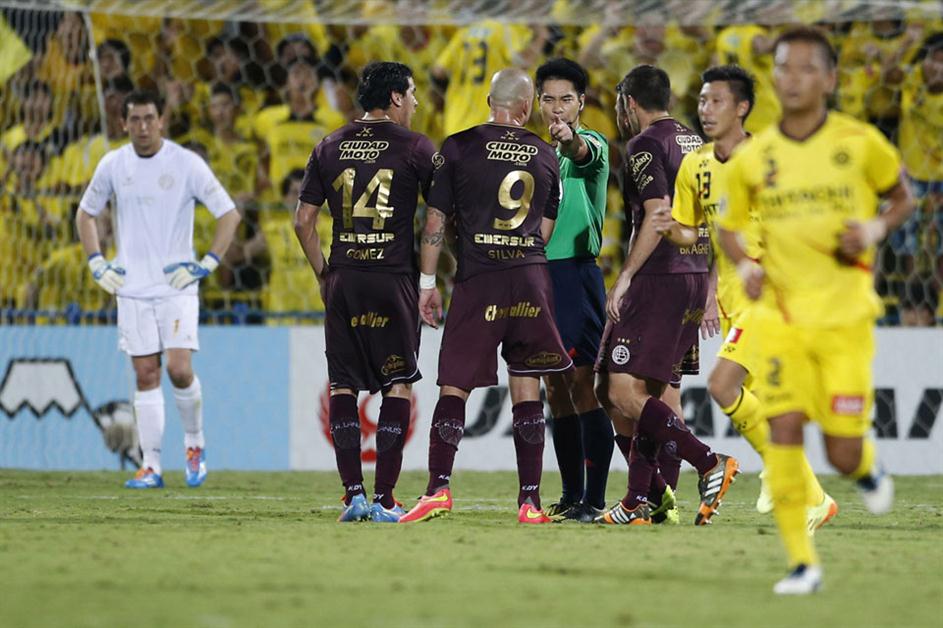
(149, 413)
(190, 405)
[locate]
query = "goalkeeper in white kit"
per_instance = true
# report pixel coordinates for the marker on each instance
(155, 183)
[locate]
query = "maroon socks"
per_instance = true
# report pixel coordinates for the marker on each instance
(659, 423)
(391, 434)
(345, 432)
(448, 426)
(529, 428)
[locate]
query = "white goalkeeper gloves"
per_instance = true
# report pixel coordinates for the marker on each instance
(108, 275)
(182, 274)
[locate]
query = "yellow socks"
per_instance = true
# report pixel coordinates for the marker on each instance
(747, 419)
(790, 488)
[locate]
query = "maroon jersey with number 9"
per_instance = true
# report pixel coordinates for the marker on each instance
(500, 181)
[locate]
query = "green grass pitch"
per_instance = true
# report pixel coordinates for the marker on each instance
(263, 549)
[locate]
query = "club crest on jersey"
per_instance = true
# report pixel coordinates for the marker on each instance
(363, 150)
(438, 160)
(165, 181)
(621, 354)
(841, 157)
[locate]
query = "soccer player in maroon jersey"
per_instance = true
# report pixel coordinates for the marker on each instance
(500, 183)
(369, 173)
(655, 309)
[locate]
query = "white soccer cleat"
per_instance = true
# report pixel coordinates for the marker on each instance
(764, 502)
(803, 580)
(877, 492)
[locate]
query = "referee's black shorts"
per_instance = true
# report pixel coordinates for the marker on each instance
(580, 306)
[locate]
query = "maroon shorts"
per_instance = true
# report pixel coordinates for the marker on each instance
(658, 326)
(371, 329)
(513, 308)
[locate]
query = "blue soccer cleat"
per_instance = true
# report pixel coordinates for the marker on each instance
(357, 510)
(196, 466)
(379, 514)
(146, 477)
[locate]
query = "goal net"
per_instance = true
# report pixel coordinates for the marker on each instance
(253, 85)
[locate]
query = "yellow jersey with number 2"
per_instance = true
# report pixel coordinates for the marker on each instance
(802, 193)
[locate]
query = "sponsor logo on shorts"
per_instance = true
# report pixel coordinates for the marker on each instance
(734, 336)
(522, 309)
(848, 405)
(370, 319)
(544, 358)
(621, 354)
(393, 364)
(692, 316)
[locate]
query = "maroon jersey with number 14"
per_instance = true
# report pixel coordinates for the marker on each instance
(369, 172)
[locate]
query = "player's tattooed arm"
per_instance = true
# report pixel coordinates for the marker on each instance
(430, 300)
(434, 232)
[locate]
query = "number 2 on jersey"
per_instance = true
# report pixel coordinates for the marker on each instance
(380, 183)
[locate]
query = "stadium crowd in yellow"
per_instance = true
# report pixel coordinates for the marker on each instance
(255, 98)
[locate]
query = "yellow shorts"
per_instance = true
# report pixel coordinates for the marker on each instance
(739, 342)
(825, 373)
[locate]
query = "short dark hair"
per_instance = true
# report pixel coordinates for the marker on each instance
(931, 45)
(294, 38)
(121, 84)
(562, 69)
(648, 85)
(235, 44)
(124, 53)
(225, 88)
(40, 148)
(142, 97)
(740, 81)
(809, 35)
(379, 80)
(297, 174)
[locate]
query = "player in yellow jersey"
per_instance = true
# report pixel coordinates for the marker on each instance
(724, 104)
(472, 56)
(921, 144)
(748, 45)
(813, 181)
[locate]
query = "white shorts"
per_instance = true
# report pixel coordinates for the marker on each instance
(149, 326)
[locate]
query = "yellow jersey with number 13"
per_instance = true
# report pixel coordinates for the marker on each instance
(699, 189)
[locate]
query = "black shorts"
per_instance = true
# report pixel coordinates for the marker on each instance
(579, 297)
(371, 329)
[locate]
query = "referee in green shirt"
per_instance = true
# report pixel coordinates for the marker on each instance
(582, 432)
